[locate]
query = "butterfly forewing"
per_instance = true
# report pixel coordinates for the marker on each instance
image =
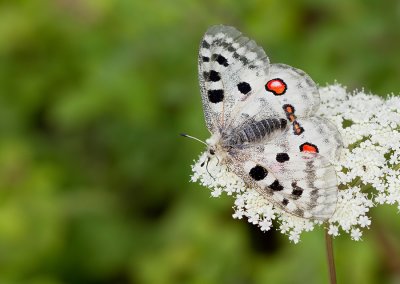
(231, 69)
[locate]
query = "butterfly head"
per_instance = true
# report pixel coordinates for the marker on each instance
(214, 147)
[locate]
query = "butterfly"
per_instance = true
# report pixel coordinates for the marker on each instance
(263, 125)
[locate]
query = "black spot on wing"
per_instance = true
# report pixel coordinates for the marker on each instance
(221, 60)
(297, 190)
(282, 157)
(212, 76)
(244, 87)
(216, 96)
(205, 44)
(258, 172)
(205, 59)
(276, 186)
(242, 59)
(285, 202)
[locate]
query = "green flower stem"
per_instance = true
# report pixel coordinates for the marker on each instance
(329, 255)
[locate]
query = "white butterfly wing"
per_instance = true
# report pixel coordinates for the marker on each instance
(299, 177)
(302, 184)
(231, 69)
(318, 135)
(284, 87)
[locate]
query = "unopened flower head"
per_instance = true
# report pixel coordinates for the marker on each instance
(368, 169)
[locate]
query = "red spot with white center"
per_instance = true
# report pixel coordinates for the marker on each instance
(308, 147)
(276, 86)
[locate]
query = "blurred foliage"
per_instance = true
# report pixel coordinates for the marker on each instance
(94, 177)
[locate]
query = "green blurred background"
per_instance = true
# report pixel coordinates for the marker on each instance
(94, 177)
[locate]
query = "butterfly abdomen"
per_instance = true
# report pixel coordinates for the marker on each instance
(256, 131)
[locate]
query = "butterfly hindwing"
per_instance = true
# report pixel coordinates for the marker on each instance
(292, 86)
(313, 134)
(303, 184)
(286, 92)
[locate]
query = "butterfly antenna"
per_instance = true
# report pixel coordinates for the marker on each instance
(197, 139)
(202, 165)
(208, 160)
(217, 160)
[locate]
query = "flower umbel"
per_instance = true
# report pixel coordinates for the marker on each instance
(368, 170)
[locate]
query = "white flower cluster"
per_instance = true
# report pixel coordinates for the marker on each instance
(368, 169)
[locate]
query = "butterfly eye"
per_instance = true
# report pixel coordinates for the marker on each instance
(212, 152)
